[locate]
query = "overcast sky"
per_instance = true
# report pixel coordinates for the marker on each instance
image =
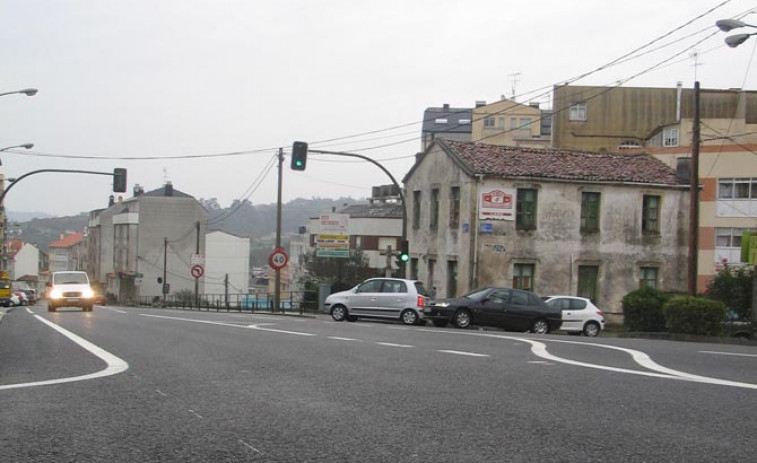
(165, 79)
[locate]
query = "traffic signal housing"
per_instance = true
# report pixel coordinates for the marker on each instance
(404, 251)
(119, 180)
(299, 155)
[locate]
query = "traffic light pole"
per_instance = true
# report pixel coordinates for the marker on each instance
(117, 173)
(277, 274)
(376, 163)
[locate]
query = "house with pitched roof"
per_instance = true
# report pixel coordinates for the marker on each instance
(24, 262)
(139, 244)
(68, 253)
(597, 225)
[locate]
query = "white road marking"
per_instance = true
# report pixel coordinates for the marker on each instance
(161, 392)
(113, 310)
(735, 354)
(250, 447)
(250, 327)
(391, 344)
(468, 354)
(196, 414)
(29, 310)
(539, 362)
(337, 338)
(114, 364)
(539, 349)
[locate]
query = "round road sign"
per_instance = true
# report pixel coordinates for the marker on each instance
(278, 259)
(197, 270)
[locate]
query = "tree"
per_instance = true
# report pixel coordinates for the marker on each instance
(342, 273)
(732, 286)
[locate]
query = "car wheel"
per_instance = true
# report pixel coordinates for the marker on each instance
(409, 317)
(461, 319)
(440, 323)
(339, 313)
(540, 326)
(591, 329)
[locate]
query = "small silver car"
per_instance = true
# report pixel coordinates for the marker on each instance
(387, 298)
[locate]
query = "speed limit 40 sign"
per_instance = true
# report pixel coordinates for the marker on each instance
(278, 259)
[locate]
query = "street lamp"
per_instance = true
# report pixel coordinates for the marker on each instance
(727, 25)
(26, 91)
(27, 146)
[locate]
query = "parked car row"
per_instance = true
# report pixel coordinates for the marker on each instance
(507, 308)
(21, 297)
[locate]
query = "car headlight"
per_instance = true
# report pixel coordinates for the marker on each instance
(56, 294)
(88, 293)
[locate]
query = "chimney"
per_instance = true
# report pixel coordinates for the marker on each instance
(534, 104)
(679, 92)
(480, 103)
(111, 200)
(138, 190)
(683, 169)
(445, 107)
(168, 189)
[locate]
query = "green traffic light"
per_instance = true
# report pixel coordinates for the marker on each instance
(404, 257)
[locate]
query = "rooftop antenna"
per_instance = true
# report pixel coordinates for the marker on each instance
(695, 56)
(514, 78)
(165, 175)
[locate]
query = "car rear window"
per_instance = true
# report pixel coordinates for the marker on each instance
(421, 289)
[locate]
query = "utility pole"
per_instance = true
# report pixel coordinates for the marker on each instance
(277, 277)
(226, 290)
(694, 198)
(165, 269)
(197, 252)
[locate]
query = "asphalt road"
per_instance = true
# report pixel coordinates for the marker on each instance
(151, 385)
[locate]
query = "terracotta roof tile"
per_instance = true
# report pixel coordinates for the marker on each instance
(67, 241)
(509, 161)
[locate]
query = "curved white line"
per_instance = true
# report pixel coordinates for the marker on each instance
(539, 349)
(249, 327)
(114, 364)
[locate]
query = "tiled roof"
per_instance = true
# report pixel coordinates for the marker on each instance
(67, 241)
(509, 161)
(375, 210)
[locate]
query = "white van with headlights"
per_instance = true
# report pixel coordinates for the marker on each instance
(70, 289)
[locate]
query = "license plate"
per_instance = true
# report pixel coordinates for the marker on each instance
(72, 299)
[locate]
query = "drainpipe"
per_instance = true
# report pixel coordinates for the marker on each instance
(474, 232)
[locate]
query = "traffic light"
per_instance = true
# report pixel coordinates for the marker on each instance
(299, 155)
(404, 251)
(119, 180)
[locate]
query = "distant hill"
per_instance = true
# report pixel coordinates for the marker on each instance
(15, 216)
(257, 222)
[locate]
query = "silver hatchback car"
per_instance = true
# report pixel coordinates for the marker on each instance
(386, 298)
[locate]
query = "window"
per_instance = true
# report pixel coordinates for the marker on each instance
(590, 212)
(737, 188)
(523, 276)
(431, 276)
(513, 123)
(729, 237)
(670, 136)
(629, 145)
(488, 122)
(519, 298)
(648, 277)
(414, 268)
(464, 121)
(577, 112)
(393, 286)
(501, 122)
(650, 218)
(525, 209)
(416, 209)
(451, 278)
(525, 123)
(434, 220)
(440, 120)
(454, 207)
(587, 282)
(373, 286)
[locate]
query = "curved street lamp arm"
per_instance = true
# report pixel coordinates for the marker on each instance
(67, 171)
(399, 188)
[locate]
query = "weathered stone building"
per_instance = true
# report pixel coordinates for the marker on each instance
(597, 225)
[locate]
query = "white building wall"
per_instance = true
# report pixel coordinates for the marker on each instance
(226, 255)
(26, 261)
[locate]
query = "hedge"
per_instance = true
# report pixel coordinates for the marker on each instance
(695, 315)
(642, 310)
